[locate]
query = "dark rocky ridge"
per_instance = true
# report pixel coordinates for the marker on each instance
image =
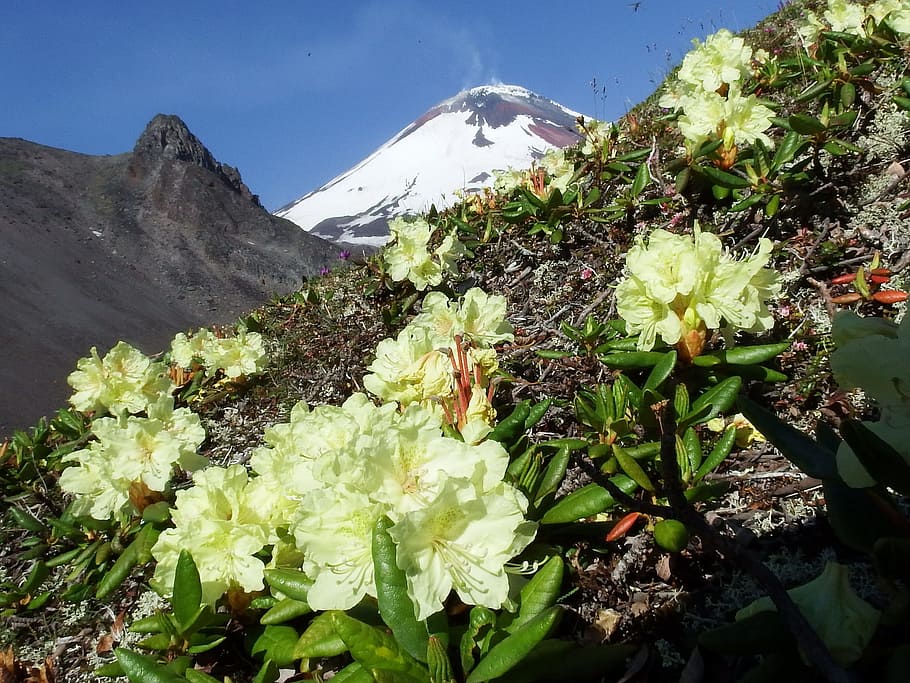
(135, 246)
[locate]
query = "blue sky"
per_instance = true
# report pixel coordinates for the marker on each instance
(295, 92)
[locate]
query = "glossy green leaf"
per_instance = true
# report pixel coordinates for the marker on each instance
(539, 593)
(475, 639)
(632, 359)
(377, 650)
(720, 398)
(631, 467)
(438, 662)
(285, 610)
(121, 568)
(290, 582)
(187, 597)
(509, 652)
(724, 179)
(144, 669)
(681, 400)
(320, 639)
(25, 520)
(692, 448)
(642, 178)
(587, 501)
(746, 355)
(197, 676)
(395, 605)
(720, 451)
(276, 643)
(806, 125)
(553, 475)
(510, 428)
(661, 371)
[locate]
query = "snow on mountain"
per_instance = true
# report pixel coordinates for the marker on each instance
(454, 146)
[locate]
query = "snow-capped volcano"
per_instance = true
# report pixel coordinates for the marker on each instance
(455, 146)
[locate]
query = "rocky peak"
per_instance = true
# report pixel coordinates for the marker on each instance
(167, 137)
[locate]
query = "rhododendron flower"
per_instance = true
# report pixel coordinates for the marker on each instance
(560, 171)
(509, 180)
(462, 540)
(887, 381)
(124, 381)
(132, 456)
(408, 256)
(334, 531)
(894, 13)
(843, 620)
(407, 472)
(479, 318)
(722, 58)
(197, 347)
(735, 119)
(219, 523)
(410, 369)
(845, 17)
(596, 133)
(679, 286)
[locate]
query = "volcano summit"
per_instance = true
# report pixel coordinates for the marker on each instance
(455, 146)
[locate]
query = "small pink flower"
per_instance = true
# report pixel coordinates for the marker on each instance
(799, 345)
(587, 274)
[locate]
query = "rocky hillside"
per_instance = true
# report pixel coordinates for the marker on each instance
(135, 246)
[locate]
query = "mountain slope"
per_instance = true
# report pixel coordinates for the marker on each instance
(135, 246)
(454, 146)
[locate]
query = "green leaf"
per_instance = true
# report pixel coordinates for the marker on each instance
(276, 643)
(187, 599)
(902, 102)
(632, 359)
(800, 449)
(720, 451)
(553, 475)
(723, 178)
(144, 669)
(354, 673)
(719, 397)
(197, 676)
(290, 582)
(510, 428)
(395, 605)
(661, 371)
(806, 125)
(642, 178)
(376, 650)
(285, 610)
(536, 413)
(509, 652)
(885, 464)
(481, 622)
(320, 639)
(268, 673)
(750, 355)
(25, 520)
(681, 400)
(121, 568)
(438, 662)
(692, 447)
(631, 467)
(587, 501)
(539, 593)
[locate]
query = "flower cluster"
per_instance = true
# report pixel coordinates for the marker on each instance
(324, 480)
(887, 381)
(843, 16)
(124, 381)
(598, 135)
(240, 355)
(135, 453)
(552, 170)
(708, 91)
(679, 286)
(408, 256)
(132, 460)
(444, 358)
